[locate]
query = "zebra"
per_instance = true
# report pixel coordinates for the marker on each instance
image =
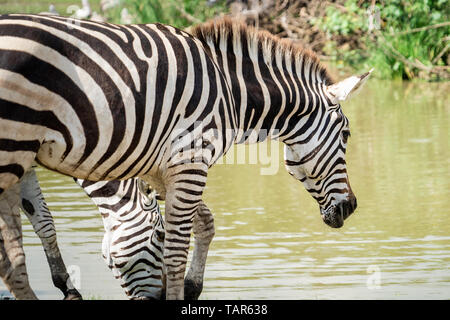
(132, 244)
(74, 88)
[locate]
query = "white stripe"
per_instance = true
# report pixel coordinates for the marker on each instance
(237, 49)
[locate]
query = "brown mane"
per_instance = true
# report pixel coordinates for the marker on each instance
(227, 27)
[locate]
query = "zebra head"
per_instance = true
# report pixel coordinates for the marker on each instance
(136, 249)
(134, 234)
(316, 156)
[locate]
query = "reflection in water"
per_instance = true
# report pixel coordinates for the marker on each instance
(271, 242)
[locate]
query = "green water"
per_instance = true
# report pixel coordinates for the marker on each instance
(270, 240)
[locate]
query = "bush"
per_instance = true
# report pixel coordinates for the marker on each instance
(410, 39)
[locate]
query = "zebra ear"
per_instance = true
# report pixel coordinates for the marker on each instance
(343, 89)
(144, 187)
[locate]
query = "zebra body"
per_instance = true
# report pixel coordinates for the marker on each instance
(137, 98)
(154, 102)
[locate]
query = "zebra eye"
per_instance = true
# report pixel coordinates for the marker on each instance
(345, 135)
(159, 235)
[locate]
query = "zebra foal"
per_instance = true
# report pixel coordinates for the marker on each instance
(154, 102)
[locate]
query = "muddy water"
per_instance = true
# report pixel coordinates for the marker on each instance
(270, 240)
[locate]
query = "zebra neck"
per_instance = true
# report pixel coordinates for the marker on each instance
(274, 85)
(271, 92)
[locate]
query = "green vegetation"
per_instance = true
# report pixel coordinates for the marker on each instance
(27, 6)
(178, 13)
(404, 39)
(409, 39)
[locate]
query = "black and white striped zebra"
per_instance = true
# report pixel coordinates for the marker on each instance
(101, 102)
(133, 240)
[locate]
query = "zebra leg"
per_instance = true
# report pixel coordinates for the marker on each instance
(184, 189)
(5, 264)
(203, 234)
(176, 246)
(35, 208)
(14, 272)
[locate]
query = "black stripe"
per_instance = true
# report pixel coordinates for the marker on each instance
(19, 145)
(194, 182)
(143, 261)
(255, 97)
(109, 190)
(198, 80)
(131, 236)
(15, 169)
(275, 95)
(132, 245)
(189, 191)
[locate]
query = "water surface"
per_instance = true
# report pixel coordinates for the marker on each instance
(270, 240)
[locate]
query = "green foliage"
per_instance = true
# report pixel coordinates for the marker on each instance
(177, 13)
(394, 47)
(27, 6)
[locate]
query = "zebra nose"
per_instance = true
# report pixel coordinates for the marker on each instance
(347, 207)
(353, 203)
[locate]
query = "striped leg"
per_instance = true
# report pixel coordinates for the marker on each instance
(35, 208)
(176, 245)
(5, 264)
(13, 272)
(183, 196)
(203, 234)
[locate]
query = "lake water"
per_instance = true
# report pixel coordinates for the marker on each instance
(270, 240)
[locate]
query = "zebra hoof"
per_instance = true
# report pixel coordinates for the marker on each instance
(192, 290)
(73, 294)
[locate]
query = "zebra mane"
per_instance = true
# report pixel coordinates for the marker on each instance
(229, 29)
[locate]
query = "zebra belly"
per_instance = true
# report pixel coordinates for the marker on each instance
(49, 156)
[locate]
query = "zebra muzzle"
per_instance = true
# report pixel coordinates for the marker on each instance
(335, 215)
